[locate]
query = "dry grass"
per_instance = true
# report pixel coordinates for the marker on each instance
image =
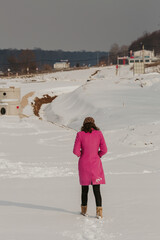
(95, 73)
(155, 64)
(38, 102)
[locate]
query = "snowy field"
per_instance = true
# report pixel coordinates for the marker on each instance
(40, 191)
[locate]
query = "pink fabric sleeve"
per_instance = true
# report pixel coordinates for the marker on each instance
(102, 146)
(77, 146)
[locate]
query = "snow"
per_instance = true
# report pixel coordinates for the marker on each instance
(40, 191)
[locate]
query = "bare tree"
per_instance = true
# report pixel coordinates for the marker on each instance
(114, 50)
(123, 51)
(13, 63)
(47, 68)
(27, 60)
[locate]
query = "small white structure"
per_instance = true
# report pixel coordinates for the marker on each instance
(62, 65)
(9, 101)
(143, 55)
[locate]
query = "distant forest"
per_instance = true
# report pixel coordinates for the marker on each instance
(15, 59)
(151, 41)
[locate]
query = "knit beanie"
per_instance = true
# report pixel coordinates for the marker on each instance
(88, 120)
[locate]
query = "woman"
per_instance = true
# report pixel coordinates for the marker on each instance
(90, 146)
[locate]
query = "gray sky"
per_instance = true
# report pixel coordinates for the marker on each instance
(72, 25)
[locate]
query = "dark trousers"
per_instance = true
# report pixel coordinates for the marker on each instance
(97, 194)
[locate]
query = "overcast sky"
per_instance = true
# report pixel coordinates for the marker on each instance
(72, 25)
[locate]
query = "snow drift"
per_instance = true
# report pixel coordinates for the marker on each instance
(114, 101)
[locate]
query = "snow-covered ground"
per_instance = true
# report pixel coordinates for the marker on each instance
(40, 191)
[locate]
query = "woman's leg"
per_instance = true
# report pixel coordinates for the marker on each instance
(84, 195)
(97, 194)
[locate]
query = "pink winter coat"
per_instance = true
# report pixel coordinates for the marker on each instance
(90, 147)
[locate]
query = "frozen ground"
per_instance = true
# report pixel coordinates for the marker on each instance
(40, 192)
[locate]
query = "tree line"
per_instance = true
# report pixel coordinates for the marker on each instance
(21, 60)
(150, 41)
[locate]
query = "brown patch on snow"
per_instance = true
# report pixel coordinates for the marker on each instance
(38, 102)
(95, 73)
(154, 64)
(24, 102)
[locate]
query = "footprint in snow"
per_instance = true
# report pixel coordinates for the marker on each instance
(90, 228)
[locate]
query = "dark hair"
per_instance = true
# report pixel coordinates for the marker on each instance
(87, 127)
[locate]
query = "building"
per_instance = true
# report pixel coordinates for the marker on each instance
(62, 65)
(122, 60)
(1, 73)
(143, 55)
(9, 101)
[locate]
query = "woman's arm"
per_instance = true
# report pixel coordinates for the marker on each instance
(77, 146)
(102, 145)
